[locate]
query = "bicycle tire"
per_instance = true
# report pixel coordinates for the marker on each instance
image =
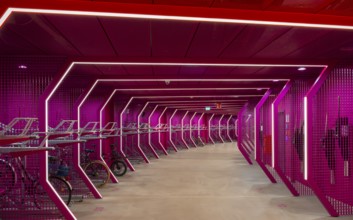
(98, 172)
(62, 187)
(8, 177)
(118, 167)
(40, 196)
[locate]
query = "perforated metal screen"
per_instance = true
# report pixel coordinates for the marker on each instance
(265, 135)
(332, 135)
(22, 81)
(291, 136)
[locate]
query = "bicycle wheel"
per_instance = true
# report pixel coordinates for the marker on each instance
(118, 167)
(8, 177)
(62, 187)
(98, 172)
(40, 196)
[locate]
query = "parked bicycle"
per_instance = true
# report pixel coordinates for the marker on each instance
(59, 172)
(96, 170)
(31, 193)
(199, 142)
(117, 166)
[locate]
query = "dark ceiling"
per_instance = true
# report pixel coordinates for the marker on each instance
(150, 41)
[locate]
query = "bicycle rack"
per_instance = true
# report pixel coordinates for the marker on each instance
(64, 136)
(111, 131)
(210, 129)
(184, 129)
(214, 131)
(230, 129)
(143, 137)
(128, 142)
(160, 129)
(143, 132)
(24, 195)
(163, 131)
(172, 132)
(131, 130)
(91, 133)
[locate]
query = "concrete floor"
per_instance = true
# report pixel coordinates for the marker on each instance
(212, 182)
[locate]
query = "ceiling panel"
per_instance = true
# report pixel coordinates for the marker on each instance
(253, 38)
(130, 37)
(322, 47)
(139, 70)
(292, 40)
(212, 38)
(112, 70)
(32, 29)
(166, 71)
(85, 32)
(142, 84)
(14, 44)
(192, 70)
(85, 70)
(175, 41)
(212, 71)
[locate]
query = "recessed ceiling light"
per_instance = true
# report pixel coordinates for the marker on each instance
(275, 80)
(259, 89)
(301, 68)
(22, 67)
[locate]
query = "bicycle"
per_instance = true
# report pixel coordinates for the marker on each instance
(117, 166)
(199, 142)
(31, 191)
(58, 173)
(96, 170)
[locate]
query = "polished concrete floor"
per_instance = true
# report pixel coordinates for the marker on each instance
(212, 182)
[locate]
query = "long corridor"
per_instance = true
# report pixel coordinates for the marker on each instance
(211, 182)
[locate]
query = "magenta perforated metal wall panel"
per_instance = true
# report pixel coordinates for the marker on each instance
(332, 137)
(290, 128)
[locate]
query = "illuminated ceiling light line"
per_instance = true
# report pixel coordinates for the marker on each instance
(201, 101)
(201, 104)
(205, 96)
(171, 17)
(200, 64)
(188, 89)
(194, 80)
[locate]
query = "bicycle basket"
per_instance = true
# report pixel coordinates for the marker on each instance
(63, 171)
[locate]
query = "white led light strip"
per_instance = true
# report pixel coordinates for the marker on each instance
(149, 122)
(273, 134)
(171, 128)
(228, 128)
(199, 130)
(209, 129)
(159, 131)
(138, 128)
(191, 129)
(255, 133)
(219, 128)
(169, 17)
(306, 171)
(182, 129)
